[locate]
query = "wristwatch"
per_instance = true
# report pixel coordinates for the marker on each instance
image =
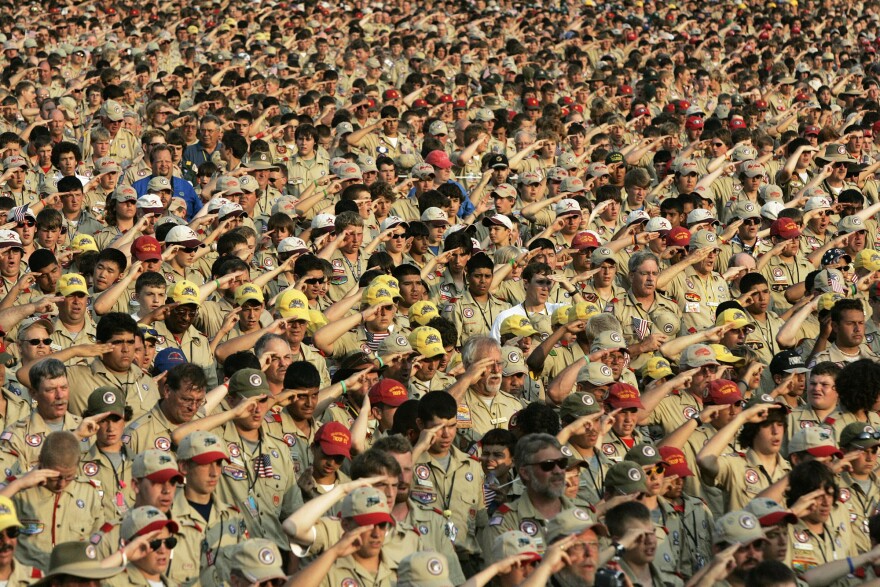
(619, 549)
(696, 418)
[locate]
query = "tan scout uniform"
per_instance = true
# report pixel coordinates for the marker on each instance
(353, 340)
(743, 477)
(860, 506)
(195, 348)
(303, 172)
(674, 409)
(443, 290)
(781, 275)
(835, 355)
(810, 240)
(627, 309)
(472, 318)
(17, 408)
(808, 550)
(407, 209)
(697, 523)
(284, 428)
(667, 528)
(456, 491)
(379, 144)
(346, 274)
(439, 382)
(715, 497)
(65, 339)
(805, 417)
(698, 297)
(763, 339)
(202, 547)
(432, 528)
(475, 418)
(133, 577)
(592, 476)
(311, 355)
(141, 393)
(193, 274)
(150, 431)
(345, 413)
(558, 359)
(114, 485)
(124, 147)
(24, 439)
(520, 515)
(266, 499)
(51, 518)
(346, 572)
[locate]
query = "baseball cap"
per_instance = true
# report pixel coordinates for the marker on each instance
(71, 283)
(248, 383)
(830, 280)
(167, 359)
(293, 305)
(859, 435)
(111, 110)
(638, 216)
(106, 399)
(601, 255)
(585, 240)
(850, 224)
(149, 202)
(658, 224)
(504, 190)
(644, 454)
(817, 203)
(498, 161)
(770, 513)
(816, 440)
(725, 356)
(657, 368)
(788, 361)
(423, 312)
(698, 355)
(608, 340)
(752, 168)
(159, 466)
(735, 316)
(514, 542)
(183, 236)
(438, 160)
(366, 506)
(434, 214)
(722, 392)
(427, 341)
(394, 344)
(737, 527)
(10, 239)
(626, 477)
(678, 237)
(146, 248)
(566, 207)
(185, 292)
(699, 216)
(834, 255)
(248, 292)
(784, 228)
(596, 373)
(8, 517)
(675, 462)
(292, 244)
(143, 520)
(498, 220)
(201, 447)
(379, 294)
(334, 439)
(84, 242)
(322, 223)
(868, 259)
(257, 559)
(579, 404)
(518, 326)
(573, 521)
(572, 185)
(623, 395)
(424, 568)
(388, 392)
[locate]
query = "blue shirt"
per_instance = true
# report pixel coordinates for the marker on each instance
(466, 208)
(180, 188)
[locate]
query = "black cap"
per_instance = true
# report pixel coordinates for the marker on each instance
(350, 364)
(787, 362)
(498, 161)
(614, 157)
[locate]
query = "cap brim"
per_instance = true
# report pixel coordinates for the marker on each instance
(334, 450)
(796, 370)
(165, 475)
(209, 457)
(158, 525)
(625, 404)
(189, 244)
(825, 451)
(148, 257)
(776, 518)
(375, 518)
(681, 471)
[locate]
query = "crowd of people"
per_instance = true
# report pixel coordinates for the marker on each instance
(398, 294)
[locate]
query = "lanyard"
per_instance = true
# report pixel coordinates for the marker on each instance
(490, 321)
(119, 484)
(791, 276)
(351, 268)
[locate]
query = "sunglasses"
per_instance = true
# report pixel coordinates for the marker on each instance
(655, 470)
(39, 341)
(12, 532)
(841, 165)
(316, 281)
(548, 466)
(28, 223)
(751, 222)
(169, 543)
(190, 250)
(868, 436)
(717, 144)
(150, 331)
(338, 459)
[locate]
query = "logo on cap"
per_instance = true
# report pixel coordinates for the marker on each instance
(581, 515)
(649, 451)
(109, 398)
(513, 357)
(588, 400)
(634, 474)
(747, 522)
(266, 556)
(605, 370)
(256, 380)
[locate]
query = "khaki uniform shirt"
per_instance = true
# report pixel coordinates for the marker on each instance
(457, 492)
(744, 477)
(472, 318)
(780, 276)
(379, 145)
(133, 577)
(195, 347)
(835, 355)
(432, 528)
(615, 448)
(114, 485)
(139, 388)
(346, 572)
(715, 497)
(24, 439)
(520, 515)
(674, 409)
(202, 551)
(475, 418)
(439, 382)
(808, 550)
(52, 518)
(283, 427)
(302, 172)
(860, 506)
(65, 339)
(346, 274)
(698, 297)
(629, 312)
(763, 339)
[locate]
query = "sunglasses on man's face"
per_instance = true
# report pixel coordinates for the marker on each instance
(29, 223)
(316, 281)
(39, 341)
(549, 465)
(169, 543)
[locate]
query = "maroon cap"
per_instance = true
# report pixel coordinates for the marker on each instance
(532, 104)
(446, 99)
(420, 103)
(722, 392)
(694, 123)
(438, 159)
(737, 123)
(785, 228)
(334, 439)
(761, 104)
(623, 395)
(814, 130)
(682, 106)
(675, 462)
(146, 248)
(678, 237)
(625, 91)
(640, 111)
(585, 240)
(391, 94)
(389, 392)
(459, 105)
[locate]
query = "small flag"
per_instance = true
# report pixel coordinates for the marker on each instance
(263, 466)
(641, 327)
(834, 282)
(19, 213)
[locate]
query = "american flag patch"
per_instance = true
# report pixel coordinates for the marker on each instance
(641, 327)
(263, 466)
(834, 282)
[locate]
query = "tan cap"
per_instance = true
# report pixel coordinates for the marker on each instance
(257, 559)
(573, 521)
(738, 527)
(424, 568)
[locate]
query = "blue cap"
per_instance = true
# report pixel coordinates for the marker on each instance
(832, 256)
(167, 359)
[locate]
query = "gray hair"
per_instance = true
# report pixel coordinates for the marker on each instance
(530, 444)
(475, 348)
(396, 444)
(46, 369)
(640, 258)
(266, 340)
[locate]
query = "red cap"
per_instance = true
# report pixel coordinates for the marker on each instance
(640, 111)
(675, 462)
(694, 123)
(420, 103)
(459, 105)
(623, 395)
(631, 36)
(532, 104)
(446, 99)
(678, 237)
(736, 123)
(795, 30)
(625, 90)
(761, 104)
(389, 392)
(764, 35)
(669, 108)
(564, 111)
(391, 94)
(801, 97)
(567, 100)
(334, 439)
(722, 392)
(146, 248)
(438, 159)
(876, 126)
(585, 240)
(814, 130)
(682, 105)
(785, 228)
(578, 108)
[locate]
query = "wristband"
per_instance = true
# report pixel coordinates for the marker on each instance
(125, 559)
(217, 283)
(852, 568)
(344, 390)
(513, 262)
(381, 362)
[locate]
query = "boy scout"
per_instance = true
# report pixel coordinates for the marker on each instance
(204, 551)
(426, 376)
(53, 502)
(475, 311)
(259, 479)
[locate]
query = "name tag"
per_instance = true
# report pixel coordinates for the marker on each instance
(692, 307)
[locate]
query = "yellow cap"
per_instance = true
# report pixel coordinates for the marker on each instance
(517, 326)
(248, 292)
(379, 294)
(388, 280)
(426, 341)
(71, 283)
(657, 368)
(84, 242)
(185, 292)
(583, 311)
(293, 305)
(738, 318)
(423, 312)
(316, 320)
(827, 300)
(8, 518)
(867, 259)
(560, 315)
(723, 355)
(192, 29)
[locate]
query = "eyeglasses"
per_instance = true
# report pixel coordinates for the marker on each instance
(39, 341)
(190, 312)
(548, 465)
(655, 470)
(28, 223)
(191, 401)
(316, 281)
(751, 222)
(398, 236)
(169, 543)
(543, 282)
(189, 250)
(12, 532)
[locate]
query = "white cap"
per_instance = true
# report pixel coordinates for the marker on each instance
(771, 209)
(698, 215)
(292, 244)
(637, 216)
(323, 221)
(658, 224)
(149, 202)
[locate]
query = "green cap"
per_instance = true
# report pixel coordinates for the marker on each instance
(738, 527)
(579, 404)
(514, 542)
(626, 477)
(76, 559)
(424, 568)
(859, 435)
(249, 383)
(645, 455)
(106, 399)
(608, 340)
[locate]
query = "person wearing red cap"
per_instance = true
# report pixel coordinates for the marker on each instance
(330, 448)
(785, 268)
(385, 397)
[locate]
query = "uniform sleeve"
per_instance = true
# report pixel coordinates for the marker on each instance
(675, 289)
(729, 467)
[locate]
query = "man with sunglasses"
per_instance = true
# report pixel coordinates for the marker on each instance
(260, 478)
(152, 568)
(25, 220)
(541, 465)
(210, 529)
(746, 239)
(860, 484)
